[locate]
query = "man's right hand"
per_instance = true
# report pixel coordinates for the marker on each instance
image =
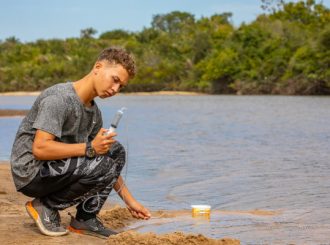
(103, 141)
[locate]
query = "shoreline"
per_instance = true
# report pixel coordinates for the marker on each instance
(36, 93)
(12, 113)
(14, 220)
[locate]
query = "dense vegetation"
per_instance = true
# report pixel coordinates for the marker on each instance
(286, 50)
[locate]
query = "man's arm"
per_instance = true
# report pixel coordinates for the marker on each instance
(46, 148)
(136, 209)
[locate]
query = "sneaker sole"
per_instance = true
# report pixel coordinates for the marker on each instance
(36, 218)
(86, 232)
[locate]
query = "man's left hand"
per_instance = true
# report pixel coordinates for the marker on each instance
(138, 210)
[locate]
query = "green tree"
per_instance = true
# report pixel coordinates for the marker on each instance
(115, 34)
(173, 22)
(88, 32)
(285, 50)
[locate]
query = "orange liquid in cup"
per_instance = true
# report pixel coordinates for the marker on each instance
(201, 210)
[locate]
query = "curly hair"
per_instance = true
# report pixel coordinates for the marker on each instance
(120, 56)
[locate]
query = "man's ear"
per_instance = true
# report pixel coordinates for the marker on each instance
(97, 66)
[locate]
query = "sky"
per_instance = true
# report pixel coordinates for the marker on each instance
(29, 20)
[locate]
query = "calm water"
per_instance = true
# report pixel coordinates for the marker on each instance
(235, 153)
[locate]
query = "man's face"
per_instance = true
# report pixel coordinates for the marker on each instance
(110, 78)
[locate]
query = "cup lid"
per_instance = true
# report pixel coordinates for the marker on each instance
(201, 206)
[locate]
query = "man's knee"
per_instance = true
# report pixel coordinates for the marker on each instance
(107, 167)
(94, 170)
(117, 150)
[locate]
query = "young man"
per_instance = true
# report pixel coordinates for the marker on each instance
(62, 156)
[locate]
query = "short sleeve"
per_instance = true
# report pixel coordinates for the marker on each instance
(52, 113)
(97, 126)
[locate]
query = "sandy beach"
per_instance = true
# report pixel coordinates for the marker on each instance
(17, 228)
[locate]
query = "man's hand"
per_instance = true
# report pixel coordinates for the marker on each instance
(103, 142)
(138, 211)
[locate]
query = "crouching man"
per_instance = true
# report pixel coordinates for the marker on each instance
(62, 156)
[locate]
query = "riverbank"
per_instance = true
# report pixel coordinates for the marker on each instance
(17, 228)
(12, 113)
(35, 93)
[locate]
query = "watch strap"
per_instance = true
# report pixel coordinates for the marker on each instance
(89, 149)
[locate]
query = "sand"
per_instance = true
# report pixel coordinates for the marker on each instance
(16, 227)
(20, 93)
(12, 113)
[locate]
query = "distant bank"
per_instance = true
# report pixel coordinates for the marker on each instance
(36, 93)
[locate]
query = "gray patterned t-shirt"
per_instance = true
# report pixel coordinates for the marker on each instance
(59, 111)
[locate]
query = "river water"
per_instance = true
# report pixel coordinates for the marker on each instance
(261, 162)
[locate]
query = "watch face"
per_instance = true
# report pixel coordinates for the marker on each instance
(90, 152)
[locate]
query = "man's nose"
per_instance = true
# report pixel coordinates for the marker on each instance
(116, 87)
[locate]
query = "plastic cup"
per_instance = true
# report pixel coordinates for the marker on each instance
(201, 210)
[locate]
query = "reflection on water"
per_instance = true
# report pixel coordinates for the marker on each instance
(231, 152)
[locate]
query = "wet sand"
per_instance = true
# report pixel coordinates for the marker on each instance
(17, 228)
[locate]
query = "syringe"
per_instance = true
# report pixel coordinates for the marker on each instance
(115, 120)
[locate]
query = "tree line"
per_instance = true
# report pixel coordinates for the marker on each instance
(285, 50)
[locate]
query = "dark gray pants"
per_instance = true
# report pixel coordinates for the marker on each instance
(88, 182)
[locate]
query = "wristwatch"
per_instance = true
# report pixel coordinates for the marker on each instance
(90, 152)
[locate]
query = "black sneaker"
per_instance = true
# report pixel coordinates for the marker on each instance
(93, 227)
(48, 220)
